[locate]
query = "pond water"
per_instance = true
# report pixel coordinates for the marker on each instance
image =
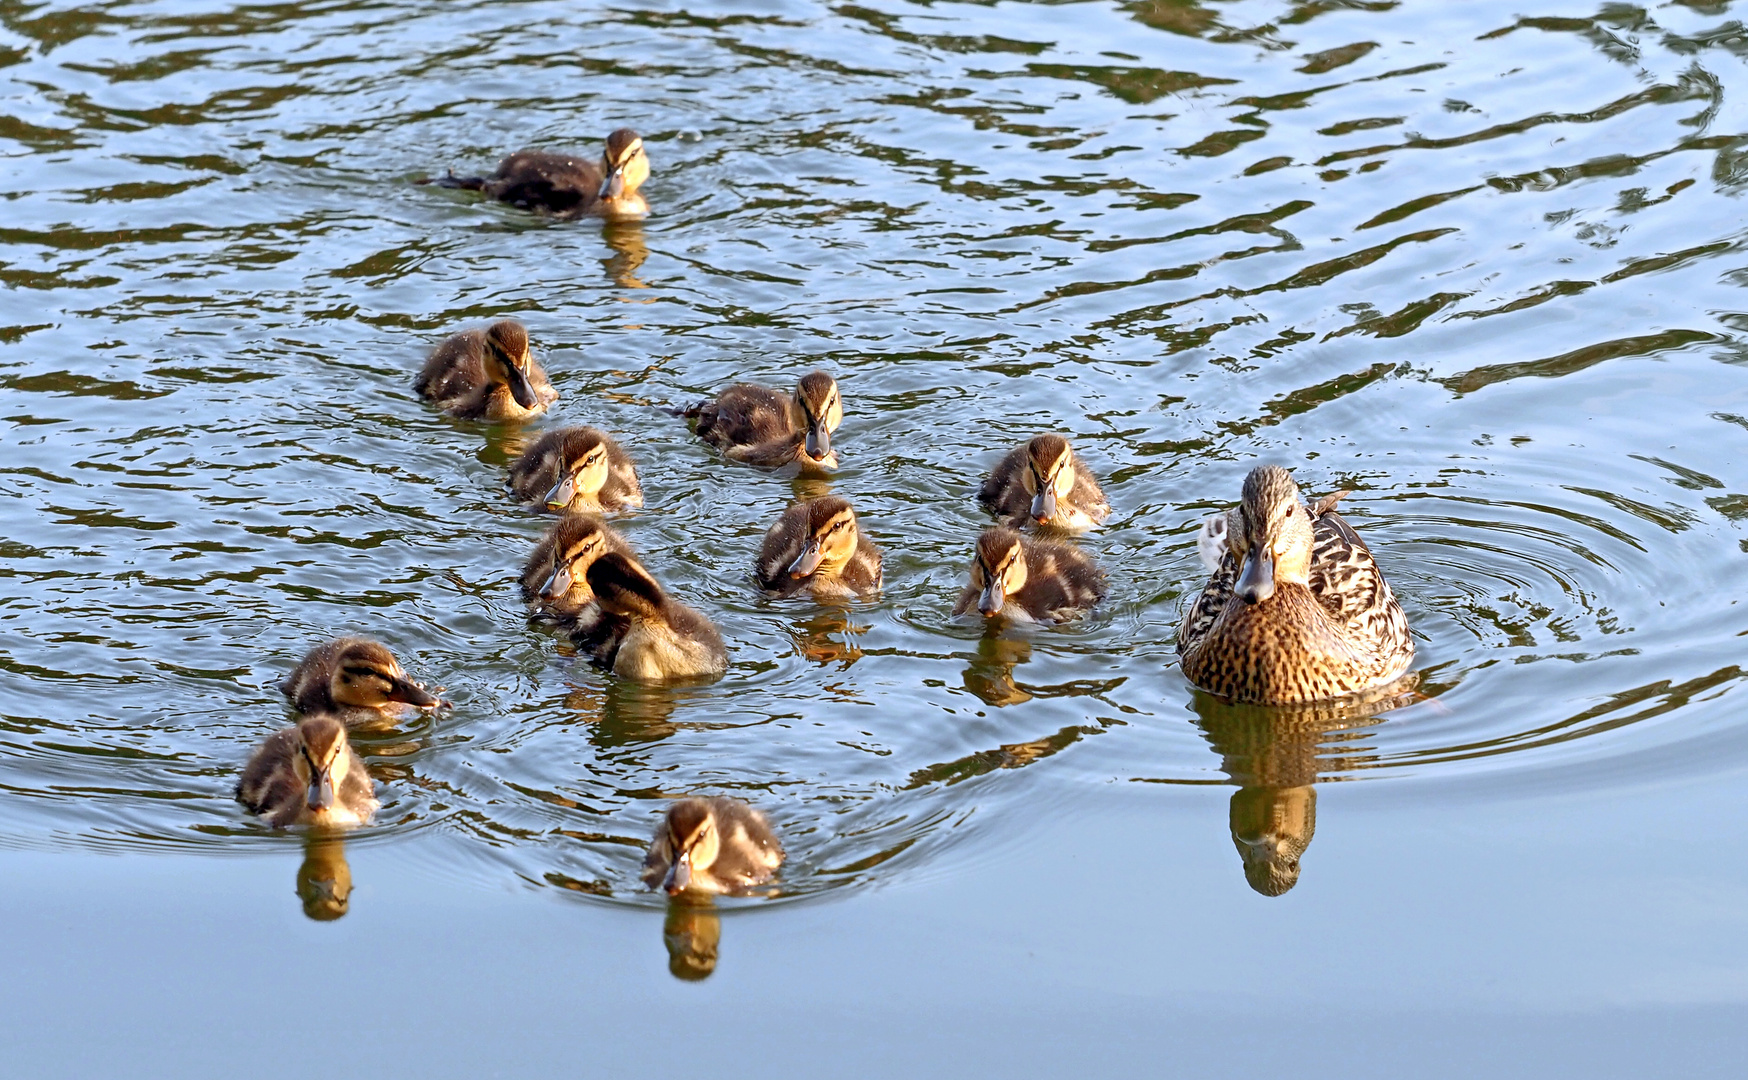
(1482, 264)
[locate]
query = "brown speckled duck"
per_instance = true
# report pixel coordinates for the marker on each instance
(486, 374)
(1030, 580)
(357, 680)
(664, 641)
(566, 186)
(1297, 610)
(308, 775)
(1044, 483)
(555, 579)
(816, 545)
(712, 846)
(760, 426)
(576, 469)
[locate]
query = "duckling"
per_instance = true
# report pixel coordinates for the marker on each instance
(715, 845)
(578, 469)
(1298, 610)
(357, 680)
(554, 580)
(1044, 482)
(1030, 580)
(486, 375)
(666, 639)
(816, 545)
(759, 426)
(308, 775)
(566, 186)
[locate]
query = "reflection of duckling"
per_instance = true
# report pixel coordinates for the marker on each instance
(692, 933)
(1044, 482)
(324, 880)
(665, 640)
(1030, 580)
(357, 680)
(554, 580)
(486, 375)
(713, 845)
(758, 425)
(567, 186)
(580, 469)
(308, 775)
(816, 545)
(1298, 611)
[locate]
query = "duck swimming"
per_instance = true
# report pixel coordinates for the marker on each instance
(358, 681)
(1043, 482)
(555, 578)
(760, 426)
(1298, 610)
(566, 186)
(816, 545)
(1030, 580)
(665, 640)
(486, 375)
(713, 845)
(308, 775)
(576, 469)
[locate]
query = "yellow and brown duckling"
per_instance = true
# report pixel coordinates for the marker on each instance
(486, 374)
(816, 545)
(1044, 483)
(308, 775)
(715, 845)
(357, 680)
(579, 470)
(1030, 580)
(1297, 610)
(761, 426)
(555, 579)
(567, 186)
(664, 640)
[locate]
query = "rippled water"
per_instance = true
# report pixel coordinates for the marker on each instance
(1482, 268)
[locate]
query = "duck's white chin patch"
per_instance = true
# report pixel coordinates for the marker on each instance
(1211, 540)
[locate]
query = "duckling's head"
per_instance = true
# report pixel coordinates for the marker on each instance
(508, 360)
(1274, 540)
(819, 412)
(999, 570)
(831, 538)
(577, 541)
(622, 587)
(583, 468)
(367, 676)
(1049, 474)
(624, 167)
(322, 760)
(694, 840)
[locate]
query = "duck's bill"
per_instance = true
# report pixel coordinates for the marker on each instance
(808, 561)
(991, 599)
(1256, 582)
(410, 692)
(1044, 506)
(520, 389)
(321, 793)
(558, 584)
(819, 442)
(679, 875)
(562, 493)
(614, 185)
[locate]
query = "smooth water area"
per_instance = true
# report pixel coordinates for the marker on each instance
(1481, 264)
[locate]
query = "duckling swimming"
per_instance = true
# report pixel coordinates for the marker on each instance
(1030, 580)
(576, 469)
(713, 846)
(760, 426)
(486, 375)
(308, 775)
(357, 680)
(666, 640)
(1043, 481)
(566, 186)
(1298, 610)
(554, 580)
(816, 545)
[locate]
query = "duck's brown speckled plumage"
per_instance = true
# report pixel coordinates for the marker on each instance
(567, 185)
(716, 845)
(663, 640)
(559, 565)
(1025, 578)
(487, 374)
(761, 426)
(280, 781)
(1330, 629)
(824, 534)
(357, 680)
(583, 463)
(1072, 499)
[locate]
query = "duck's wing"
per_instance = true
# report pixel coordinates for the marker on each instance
(864, 574)
(1062, 582)
(744, 414)
(534, 180)
(781, 547)
(750, 851)
(454, 368)
(1348, 584)
(1200, 617)
(1087, 495)
(622, 487)
(1004, 494)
